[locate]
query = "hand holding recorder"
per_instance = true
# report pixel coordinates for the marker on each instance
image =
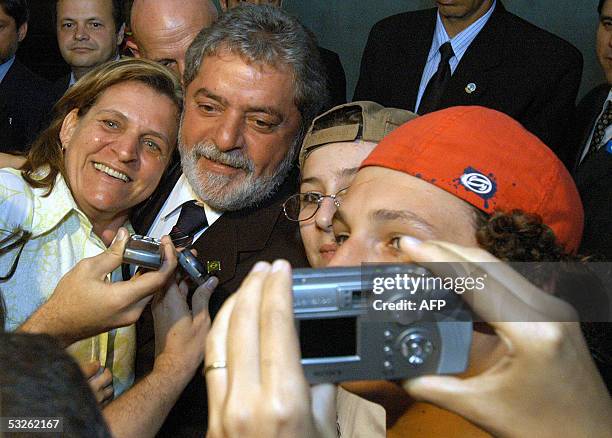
(84, 303)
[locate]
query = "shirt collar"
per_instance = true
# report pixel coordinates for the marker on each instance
(52, 209)
(181, 193)
(463, 39)
(4, 68)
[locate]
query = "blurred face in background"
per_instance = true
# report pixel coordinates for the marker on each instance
(10, 36)
(604, 40)
(86, 33)
(463, 9)
(163, 30)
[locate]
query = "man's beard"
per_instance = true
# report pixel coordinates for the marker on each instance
(229, 193)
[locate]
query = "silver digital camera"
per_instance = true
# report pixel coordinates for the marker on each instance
(343, 337)
(146, 252)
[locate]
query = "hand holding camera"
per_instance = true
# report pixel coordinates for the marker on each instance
(85, 303)
(553, 377)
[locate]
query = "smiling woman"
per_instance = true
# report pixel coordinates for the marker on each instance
(111, 138)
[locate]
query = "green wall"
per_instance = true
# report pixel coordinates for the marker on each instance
(343, 26)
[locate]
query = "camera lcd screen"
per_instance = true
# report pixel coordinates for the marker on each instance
(328, 337)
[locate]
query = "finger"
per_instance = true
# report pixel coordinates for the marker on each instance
(108, 392)
(447, 392)
(173, 305)
(169, 256)
(89, 369)
(201, 297)
(183, 290)
(497, 303)
(101, 265)
(216, 352)
(150, 282)
(280, 348)
(551, 307)
(324, 409)
(105, 378)
(244, 371)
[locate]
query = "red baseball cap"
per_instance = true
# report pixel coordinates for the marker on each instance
(489, 160)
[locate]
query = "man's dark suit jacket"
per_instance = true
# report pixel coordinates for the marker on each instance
(336, 79)
(25, 103)
(238, 240)
(594, 178)
(517, 68)
(60, 86)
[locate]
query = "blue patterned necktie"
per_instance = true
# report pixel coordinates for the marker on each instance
(191, 220)
(600, 130)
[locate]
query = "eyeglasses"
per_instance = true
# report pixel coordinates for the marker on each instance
(303, 206)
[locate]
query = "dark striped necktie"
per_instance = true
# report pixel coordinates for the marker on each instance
(191, 220)
(432, 96)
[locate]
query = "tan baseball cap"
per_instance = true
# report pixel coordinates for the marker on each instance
(378, 121)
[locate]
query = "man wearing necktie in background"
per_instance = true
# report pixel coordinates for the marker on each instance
(592, 144)
(473, 52)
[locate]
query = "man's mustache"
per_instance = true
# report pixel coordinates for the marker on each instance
(235, 158)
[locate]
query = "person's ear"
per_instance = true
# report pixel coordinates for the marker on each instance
(68, 126)
(133, 47)
(120, 34)
(22, 31)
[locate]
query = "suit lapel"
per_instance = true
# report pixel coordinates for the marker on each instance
(219, 244)
(589, 114)
(416, 52)
(243, 231)
(10, 87)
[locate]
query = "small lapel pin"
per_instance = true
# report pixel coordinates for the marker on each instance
(470, 88)
(10, 120)
(213, 266)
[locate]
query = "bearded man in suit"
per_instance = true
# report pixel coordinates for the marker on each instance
(253, 83)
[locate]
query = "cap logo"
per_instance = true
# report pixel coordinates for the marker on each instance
(477, 183)
(484, 186)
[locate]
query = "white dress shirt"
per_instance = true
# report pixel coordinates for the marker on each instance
(169, 213)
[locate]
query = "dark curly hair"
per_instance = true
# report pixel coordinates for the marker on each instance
(517, 236)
